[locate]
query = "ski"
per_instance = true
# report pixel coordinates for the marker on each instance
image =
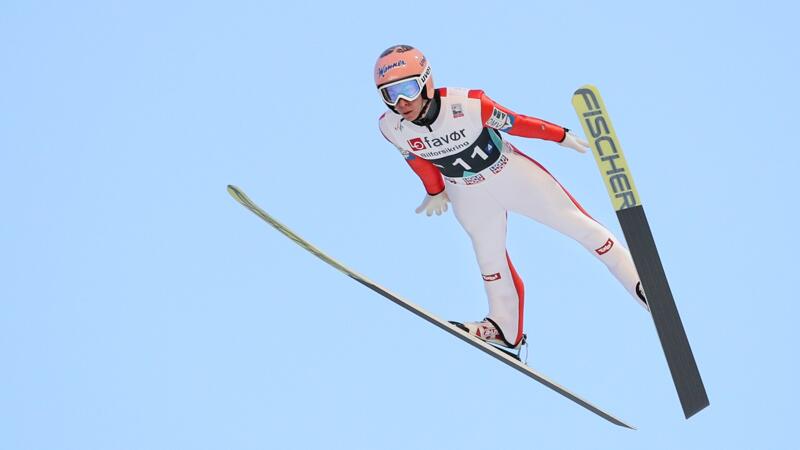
(502, 355)
(616, 174)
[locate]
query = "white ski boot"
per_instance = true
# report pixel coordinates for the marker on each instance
(488, 331)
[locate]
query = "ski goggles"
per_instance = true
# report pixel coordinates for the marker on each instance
(407, 89)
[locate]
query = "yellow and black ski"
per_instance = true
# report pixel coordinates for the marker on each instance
(617, 176)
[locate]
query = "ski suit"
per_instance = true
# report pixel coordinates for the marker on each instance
(463, 153)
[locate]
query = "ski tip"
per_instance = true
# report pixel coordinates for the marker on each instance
(234, 191)
(237, 194)
(586, 88)
(589, 86)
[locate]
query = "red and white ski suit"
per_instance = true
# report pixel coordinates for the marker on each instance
(463, 153)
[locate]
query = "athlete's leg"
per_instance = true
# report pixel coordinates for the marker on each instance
(528, 188)
(484, 220)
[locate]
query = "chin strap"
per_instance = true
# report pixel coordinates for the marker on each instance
(423, 111)
(430, 111)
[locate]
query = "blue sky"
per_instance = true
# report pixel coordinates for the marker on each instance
(142, 308)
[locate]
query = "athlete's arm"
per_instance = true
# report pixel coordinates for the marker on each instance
(497, 116)
(428, 173)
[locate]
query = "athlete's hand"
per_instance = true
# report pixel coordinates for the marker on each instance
(574, 142)
(434, 204)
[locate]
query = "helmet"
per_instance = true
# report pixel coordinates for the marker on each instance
(403, 72)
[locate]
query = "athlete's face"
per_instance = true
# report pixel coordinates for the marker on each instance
(410, 110)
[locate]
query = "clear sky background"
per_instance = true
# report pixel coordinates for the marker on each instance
(142, 308)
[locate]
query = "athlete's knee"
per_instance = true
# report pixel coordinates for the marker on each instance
(491, 262)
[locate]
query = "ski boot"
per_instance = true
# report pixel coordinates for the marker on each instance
(488, 331)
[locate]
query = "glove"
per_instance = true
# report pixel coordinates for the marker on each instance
(574, 142)
(434, 204)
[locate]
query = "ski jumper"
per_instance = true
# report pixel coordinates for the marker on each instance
(463, 153)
